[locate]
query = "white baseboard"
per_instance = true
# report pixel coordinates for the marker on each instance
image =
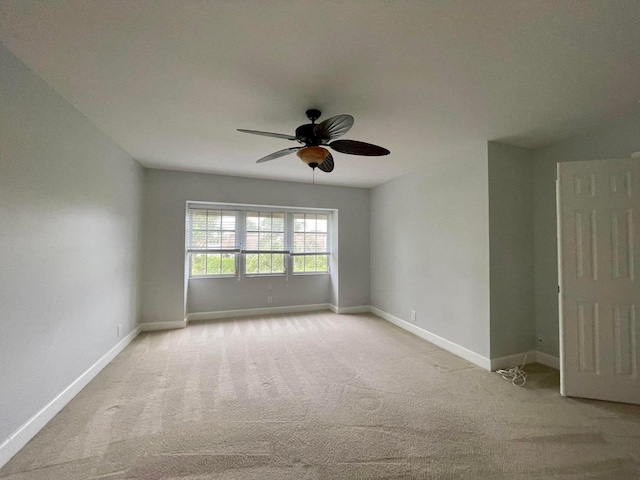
(454, 348)
(249, 312)
(548, 360)
(513, 360)
(31, 427)
(532, 356)
(348, 310)
(153, 326)
(192, 317)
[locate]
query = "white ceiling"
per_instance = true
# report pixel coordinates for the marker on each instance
(170, 81)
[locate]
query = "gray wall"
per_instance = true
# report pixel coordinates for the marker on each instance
(430, 249)
(616, 140)
(166, 194)
(69, 227)
(511, 249)
(218, 294)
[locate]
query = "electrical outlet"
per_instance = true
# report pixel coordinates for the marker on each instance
(413, 315)
(269, 299)
(119, 330)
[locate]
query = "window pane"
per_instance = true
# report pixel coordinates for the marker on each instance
(278, 222)
(278, 263)
(228, 221)
(198, 264)
(265, 231)
(277, 241)
(212, 229)
(321, 242)
(265, 241)
(264, 263)
(199, 219)
(213, 240)
(228, 264)
(309, 243)
(298, 242)
(213, 264)
(305, 238)
(265, 222)
(252, 241)
(322, 223)
(309, 263)
(214, 222)
(199, 239)
(252, 222)
(310, 223)
(251, 263)
(228, 239)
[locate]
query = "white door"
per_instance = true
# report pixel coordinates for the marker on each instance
(599, 264)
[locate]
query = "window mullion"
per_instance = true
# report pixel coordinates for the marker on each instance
(241, 240)
(288, 242)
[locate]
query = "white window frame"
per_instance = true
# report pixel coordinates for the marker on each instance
(241, 251)
(245, 251)
(191, 250)
(306, 253)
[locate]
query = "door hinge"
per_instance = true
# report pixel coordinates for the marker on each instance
(558, 288)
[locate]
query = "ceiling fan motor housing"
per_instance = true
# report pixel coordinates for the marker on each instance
(306, 134)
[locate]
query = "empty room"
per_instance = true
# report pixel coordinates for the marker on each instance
(319, 239)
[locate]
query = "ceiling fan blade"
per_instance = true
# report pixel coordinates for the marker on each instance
(358, 148)
(278, 154)
(327, 164)
(333, 127)
(268, 134)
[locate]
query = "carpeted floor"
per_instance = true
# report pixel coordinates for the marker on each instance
(322, 396)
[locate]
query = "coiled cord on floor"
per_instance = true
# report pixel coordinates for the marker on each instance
(516, 374)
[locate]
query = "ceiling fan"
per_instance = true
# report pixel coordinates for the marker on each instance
(314, 137)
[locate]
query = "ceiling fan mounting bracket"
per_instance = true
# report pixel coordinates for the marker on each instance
(313, 114)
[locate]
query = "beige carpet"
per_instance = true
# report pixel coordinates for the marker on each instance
(322, 396)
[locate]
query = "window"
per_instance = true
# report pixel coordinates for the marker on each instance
(234, 240)
(264, 243)
(310, 243)
(211, 242)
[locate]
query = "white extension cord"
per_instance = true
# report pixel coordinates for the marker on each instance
(516, 374)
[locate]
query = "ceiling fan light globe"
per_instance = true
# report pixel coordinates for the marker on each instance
(313, 156)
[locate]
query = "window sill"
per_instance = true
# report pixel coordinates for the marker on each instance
(305, 274)
(208, 277)
(257, 275)
(261, 275)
